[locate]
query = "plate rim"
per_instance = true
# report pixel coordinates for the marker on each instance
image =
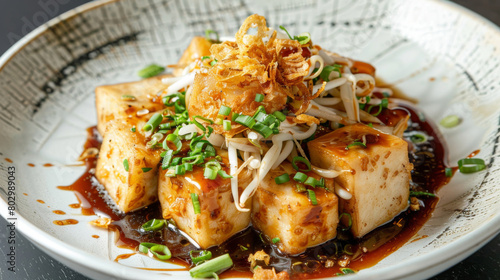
(462, 245)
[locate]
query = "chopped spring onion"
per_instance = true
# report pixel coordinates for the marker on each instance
(150, 71)
(209, 37)
(235, 116)
(243, 248)
(165, 126)
(450, 121)
(205, 57)
(144, 247)
(312, 197)
(188, 166)
(146, 169)
(366, 101)
(153, 225)
(299, 159)
(300, 177)
(167, 159)
(161, 252)
(153, 122)
(213, 62)
(224, 110)
(211, 267)
(448, 172)
(193, 160)
(414, 193)
(180, 170)
(345, 271)
(172, 138)
(348, 249)
(300, 187)
(245, 120)
(355, 143)
(201, 255)
(327, 70)
(349, 221)
(282, 179)
(223, 174)
(226, 124)
(196, 203)
(259, 97)
(262, 129)
(418, 138)
(471, 165)
(275, 240)
(125, 164)
(279, 115)
(311, 181)
(303, 38)
(210, 173)
(128, 97)
(384, 103)
(133, 129)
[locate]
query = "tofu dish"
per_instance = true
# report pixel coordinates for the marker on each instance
(264, 156)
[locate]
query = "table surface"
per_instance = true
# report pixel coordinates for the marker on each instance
(35, 264)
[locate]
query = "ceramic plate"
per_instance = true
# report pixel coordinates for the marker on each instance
(441, 54)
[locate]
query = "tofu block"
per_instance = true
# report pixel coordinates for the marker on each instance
(135, 188)
(281, 211)
(379, 174)
(110, 105)
(218, 219)
(198, 47)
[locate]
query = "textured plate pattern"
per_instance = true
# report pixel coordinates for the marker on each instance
(446, 57)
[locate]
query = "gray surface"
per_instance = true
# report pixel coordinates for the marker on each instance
(18, 17)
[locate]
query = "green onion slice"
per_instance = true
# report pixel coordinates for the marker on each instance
(450, 121)
(196, 203)
(448, 172)
(200, 255)
(415, 193)
(284, 29)
(262, 129)
(224, 110)
(128, 97)
(312, 197)
(210, 173)
(349, 221)
(161, 252)
(125, 164)
(146, 169)
(279, 115)
(226, 124)
(299, 159)
(208, 35)
(259, 97)
(282, 179)
(275, 240)
(150, 71)
(345, 271)
(207, 269)
(153, 225)
(355, 143)
(418, 138)
(327, 70)
(471, 165)
(144, 247)
(300, 177)
(245, 120)
(133, 128)
(153, 122)
(303, 38)
(167, 159)
(175, 140)
(300, 187)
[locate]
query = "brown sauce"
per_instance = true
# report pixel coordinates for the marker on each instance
(74, 205)
(48, 165)
(429, 160)
(122, 256)
(95, 236)
(59, 212)
(66, 222)
(31, 165)
(8, 160)
(25, 194)
(40, 201)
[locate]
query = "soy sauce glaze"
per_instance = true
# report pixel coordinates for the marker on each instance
(428, 158)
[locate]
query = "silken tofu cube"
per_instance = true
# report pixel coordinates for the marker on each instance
(136, 187)
(280, 211)
(111, 101)
(218, 219)
(377, 176)
(198, 48)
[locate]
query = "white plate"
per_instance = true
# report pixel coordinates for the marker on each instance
(439, 53)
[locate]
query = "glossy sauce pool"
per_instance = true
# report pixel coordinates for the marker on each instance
(428, 158)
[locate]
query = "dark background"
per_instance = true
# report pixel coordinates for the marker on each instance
(19, 17)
